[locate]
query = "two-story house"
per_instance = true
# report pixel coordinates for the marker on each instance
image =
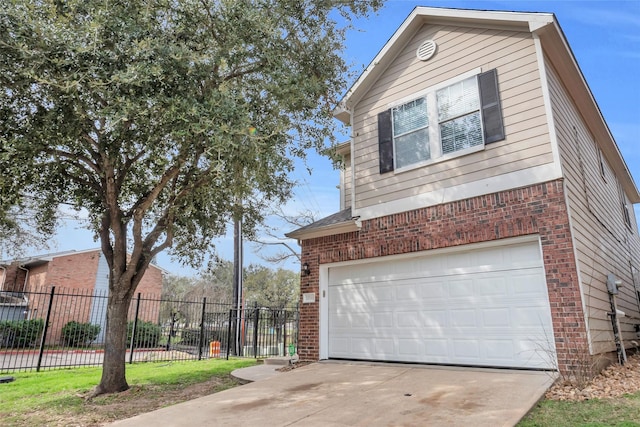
(487, 211)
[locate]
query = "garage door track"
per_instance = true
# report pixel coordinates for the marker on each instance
(362, 394)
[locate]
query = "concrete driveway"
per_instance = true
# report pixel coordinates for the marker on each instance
(361, 394)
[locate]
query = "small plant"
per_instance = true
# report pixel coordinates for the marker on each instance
(21, 333)
(147, 334)
(76, 334)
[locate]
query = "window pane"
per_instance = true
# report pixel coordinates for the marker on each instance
(410, 116)
(461, 133)
(412, 148)
(458, 99)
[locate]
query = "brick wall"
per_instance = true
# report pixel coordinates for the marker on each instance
(150, 290)
(14, 277)
(75, 274)
(539, 209)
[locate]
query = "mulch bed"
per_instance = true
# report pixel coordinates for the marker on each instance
(614, 381)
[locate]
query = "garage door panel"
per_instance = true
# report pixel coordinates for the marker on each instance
(408, 319)
(497, 317)
(383, 320)
(434, 318)
(491, 285)
(485, 307)
(433, 289)
(461, 318)
(466, 349)
(499, 349)
(409, 291)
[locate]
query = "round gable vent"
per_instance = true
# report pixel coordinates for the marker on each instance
(426, 50)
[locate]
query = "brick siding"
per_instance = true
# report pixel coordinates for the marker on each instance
(535, 210)
(75, 273)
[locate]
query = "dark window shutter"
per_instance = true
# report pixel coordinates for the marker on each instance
(491, 108)
(385, 141)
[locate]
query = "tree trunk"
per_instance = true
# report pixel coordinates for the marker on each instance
(113, 368)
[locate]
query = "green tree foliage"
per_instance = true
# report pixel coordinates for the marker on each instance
(163, 119)
(22, 228)
(263, 285)
(268, 288)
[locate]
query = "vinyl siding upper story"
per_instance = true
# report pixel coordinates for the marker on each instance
(525, 155)
(603, 239)
(518, 47)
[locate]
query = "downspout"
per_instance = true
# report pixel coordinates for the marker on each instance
(26, 278)
(352, 148)
(4, 277)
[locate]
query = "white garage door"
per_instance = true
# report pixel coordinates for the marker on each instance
(485, 307)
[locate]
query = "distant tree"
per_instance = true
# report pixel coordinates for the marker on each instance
(273, 235)
(215, 283)
(268, 288)
(175, 287)
(163, 119)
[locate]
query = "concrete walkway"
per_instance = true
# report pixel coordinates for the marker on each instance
(361, 394)
(257, 372)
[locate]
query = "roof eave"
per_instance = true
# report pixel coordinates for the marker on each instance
(329, 230)
(556, 47)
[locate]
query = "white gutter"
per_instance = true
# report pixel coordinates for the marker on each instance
(353, 163)
(26, 277)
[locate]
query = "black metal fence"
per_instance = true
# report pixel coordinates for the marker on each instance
(57, 328)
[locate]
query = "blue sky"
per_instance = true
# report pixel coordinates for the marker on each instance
(604, 37)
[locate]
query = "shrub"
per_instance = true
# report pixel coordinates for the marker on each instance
(147, 334)
(76, 334)
(21, 333)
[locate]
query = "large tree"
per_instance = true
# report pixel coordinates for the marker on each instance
(163, 119)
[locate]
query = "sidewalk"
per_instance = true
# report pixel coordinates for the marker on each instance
(256, 373)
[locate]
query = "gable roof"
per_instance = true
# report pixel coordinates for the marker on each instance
(554, 44)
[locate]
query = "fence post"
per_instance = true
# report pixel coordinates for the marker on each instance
(201, 341)
(133, 330)
(284, 343)
(256, 325)
(45, 329)
(229, 332)
(297, 327)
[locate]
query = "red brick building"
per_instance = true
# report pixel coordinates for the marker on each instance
(81, 287)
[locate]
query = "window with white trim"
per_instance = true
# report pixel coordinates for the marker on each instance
(411, 133)
(459, 116)
(441, 122)
(624, 204)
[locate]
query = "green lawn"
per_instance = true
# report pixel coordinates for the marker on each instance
(618, 412)
(50, 397)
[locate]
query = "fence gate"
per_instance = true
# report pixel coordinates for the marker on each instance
(263, 332)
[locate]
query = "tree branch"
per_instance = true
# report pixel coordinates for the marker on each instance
(70, 156)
